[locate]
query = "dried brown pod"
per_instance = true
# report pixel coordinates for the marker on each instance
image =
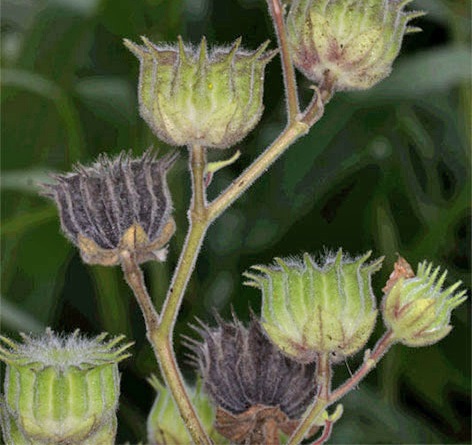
(258, 390)
(116, 204)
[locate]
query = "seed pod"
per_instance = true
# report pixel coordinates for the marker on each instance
(259, 392)
(61, 389)
(352, 42)
(165, 425)
(311, 308)
(114, 205)
(417, 309)
(206, 98)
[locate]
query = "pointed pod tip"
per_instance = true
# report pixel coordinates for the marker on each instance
(413, 29)
(415, 14)
(182, 53)
(234, 48)
(137, 50)
(282, 263)
(146, 41)
(308, 261)
(203, 54)
(261, 56)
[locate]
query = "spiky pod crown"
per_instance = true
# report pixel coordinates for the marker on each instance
(209, 98)
(310, 308)
(250, 380)
(61, 389)
(115, 204)
(416, 307)
(353, 42)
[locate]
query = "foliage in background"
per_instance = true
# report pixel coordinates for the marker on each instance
(387, 170)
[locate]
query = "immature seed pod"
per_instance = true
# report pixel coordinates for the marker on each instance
(165, 425)
(259, 392)
(353, 43)
(190, 97)
(310, 308)
(416, 308)
(61, 389)
(114, 205)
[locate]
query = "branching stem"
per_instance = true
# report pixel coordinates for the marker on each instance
(201, 215)
(326, 397)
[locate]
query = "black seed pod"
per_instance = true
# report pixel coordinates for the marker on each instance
(114, 205)
(258, 390)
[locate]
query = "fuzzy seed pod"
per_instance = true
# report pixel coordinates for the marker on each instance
(165, 425)
(311, 308)
(354, 43)
(61, 389)
(259, 392)
(190, 97)
(416, 308)
(114, 205)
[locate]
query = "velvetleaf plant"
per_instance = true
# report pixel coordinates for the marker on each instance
(269, 382)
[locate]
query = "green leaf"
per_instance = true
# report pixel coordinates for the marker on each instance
(110, 98)
(17, 319)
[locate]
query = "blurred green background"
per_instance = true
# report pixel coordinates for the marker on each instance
(387, 169)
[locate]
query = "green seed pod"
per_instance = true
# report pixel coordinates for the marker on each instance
(206, 98)
(61, 389)
(354, 43)
(309, 308)
(416, 308)
(165, 425)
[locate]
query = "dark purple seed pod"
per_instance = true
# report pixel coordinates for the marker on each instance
(257, 389)
(116, 204)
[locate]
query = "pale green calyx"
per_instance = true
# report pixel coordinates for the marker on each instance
(200, 97)
(165, 425)
(352, 43)
(61, 389)
(417, 309)
(310, 308)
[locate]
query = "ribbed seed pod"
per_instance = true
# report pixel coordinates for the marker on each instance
(352, 42)
(114, 205)
(209, 98)
(310, 308)
(415, 307)
(61, 389)
(259, 392)
(165, 425)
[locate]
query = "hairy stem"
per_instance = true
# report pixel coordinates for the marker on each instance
(162, 337)
(370, 361)
(277, 13)
(327, 429)
(134, 278)
(293, 131)
(159, 332)
(198, 224)
(323, 379)
(256, 169)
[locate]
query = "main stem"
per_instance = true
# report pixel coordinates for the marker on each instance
(201, 216)
(161, 338)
